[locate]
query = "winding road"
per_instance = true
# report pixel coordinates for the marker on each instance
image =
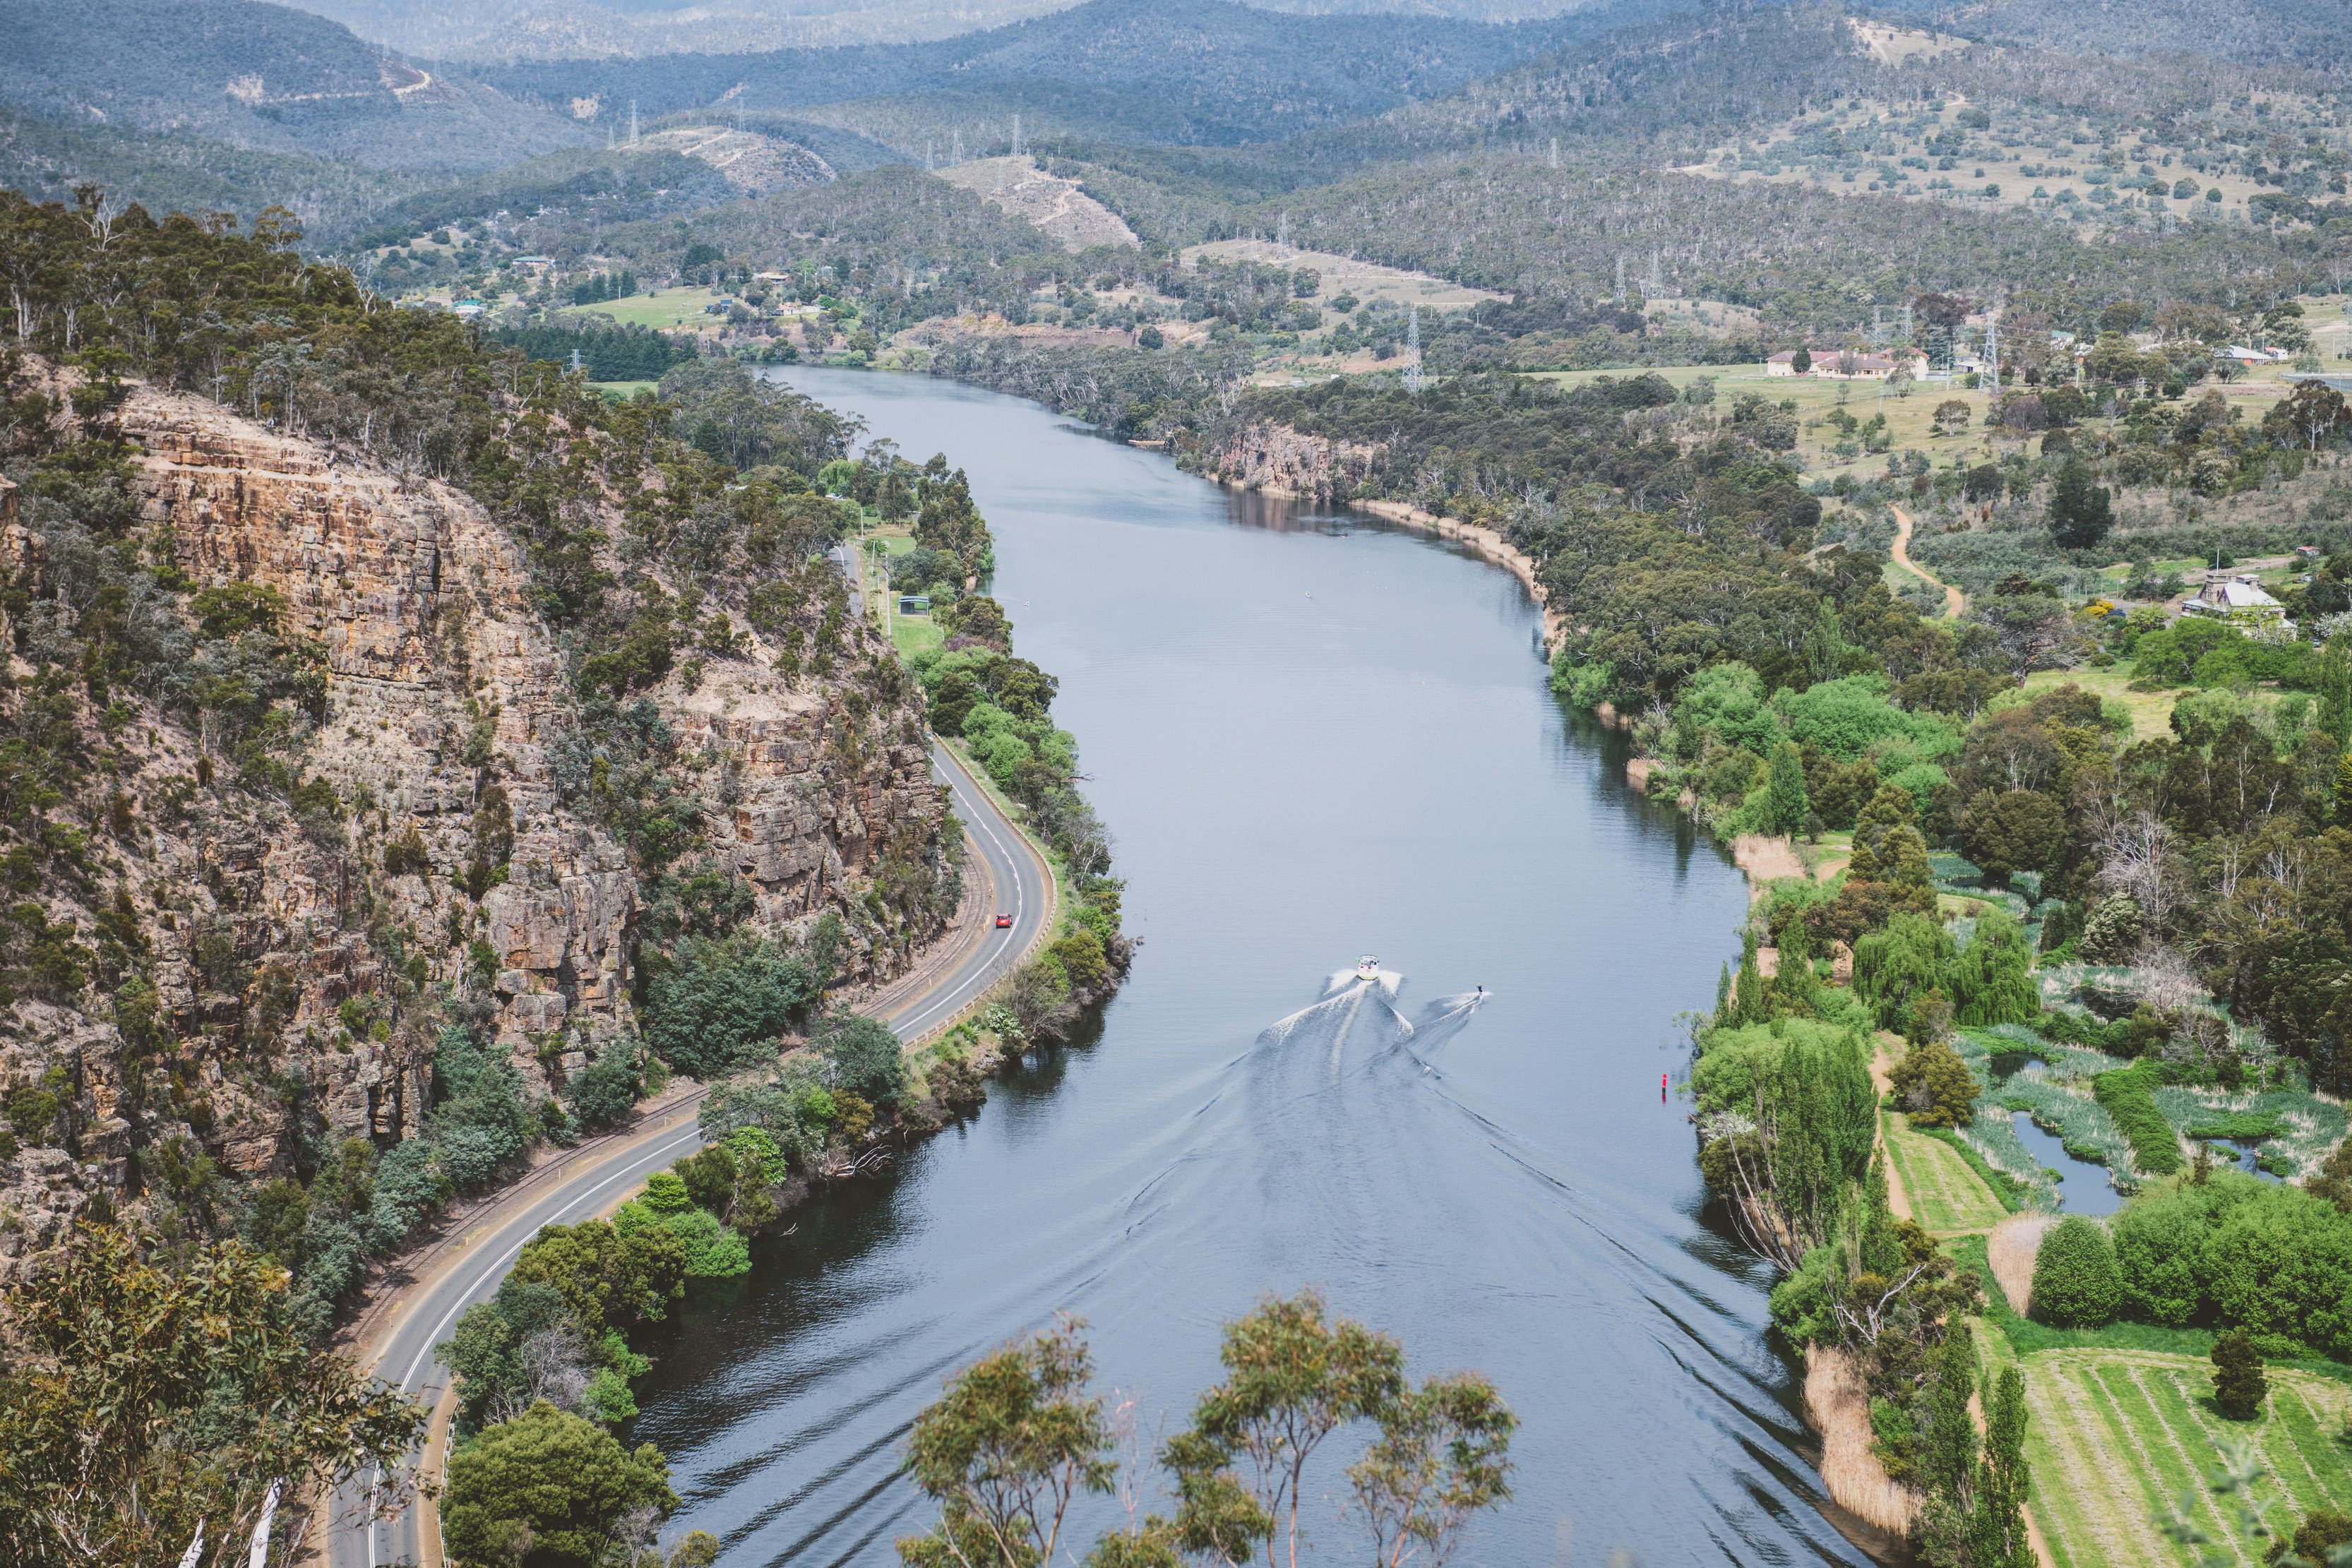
(595, 1177)
(1953, 601)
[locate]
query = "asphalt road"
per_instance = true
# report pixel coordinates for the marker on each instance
(596, 1178)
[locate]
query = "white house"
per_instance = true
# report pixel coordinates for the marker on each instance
(2237, 601)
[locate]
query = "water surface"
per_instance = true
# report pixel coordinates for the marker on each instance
(1314, 737)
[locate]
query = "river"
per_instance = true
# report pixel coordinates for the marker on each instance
(1314, 737)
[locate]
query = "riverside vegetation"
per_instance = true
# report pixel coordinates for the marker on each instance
(664, 546)
(321, 917)
(543, 1369)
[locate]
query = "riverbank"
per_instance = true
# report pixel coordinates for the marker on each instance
(1250, 728)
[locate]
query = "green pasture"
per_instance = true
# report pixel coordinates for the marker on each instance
(666, 308)
(1947, 1197)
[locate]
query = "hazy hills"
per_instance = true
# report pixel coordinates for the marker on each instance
(550, 29)
(262, 77)
(1185, 71)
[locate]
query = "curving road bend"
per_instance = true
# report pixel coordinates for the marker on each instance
(597, 1180)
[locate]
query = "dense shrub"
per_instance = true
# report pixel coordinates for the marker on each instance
(1851, 717)
(2283, 1266)
(604, 1091)
(2128, 1093)
(2158, 1239)
(2076, 1284)
(606, 1278)
(791, 1109)
(479, 1122)
(1934, 1086)
(554, 1480)
(726, 1004)
(2319, 1529)
(2241, 1253)
(2240, 1385)
(1081, 953)
(865, 1055)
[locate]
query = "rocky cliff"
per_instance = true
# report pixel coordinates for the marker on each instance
(442, 838)
(1281, 461)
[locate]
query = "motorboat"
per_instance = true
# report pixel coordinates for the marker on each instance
(1368, 968)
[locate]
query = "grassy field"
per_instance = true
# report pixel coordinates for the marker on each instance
(2117, 1437)
(2151, 712)
(913, 633)
(1910, 420)
(666, 308)
(1947, 1197)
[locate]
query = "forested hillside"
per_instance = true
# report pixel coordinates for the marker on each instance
(2277, 31)
(335, 895)
(260, 76)
(1186, 71)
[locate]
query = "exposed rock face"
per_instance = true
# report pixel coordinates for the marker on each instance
(421, 602)
(810, 817)
(1281, 461)
(442, 686)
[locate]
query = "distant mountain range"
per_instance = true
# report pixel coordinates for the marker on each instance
(550, 30)
(262, 77)
(1182, 71)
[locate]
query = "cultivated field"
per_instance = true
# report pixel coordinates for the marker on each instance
(1947, 1197)
(2119, 1438)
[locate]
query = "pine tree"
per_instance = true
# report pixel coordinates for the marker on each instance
(1824, 644)
(1792, 978)
(1785, 805)
(2335, 692)
(1749, 993)
(2342, 813)
(1723, 996)
(2080, 515)
(2003, 1479)
(1948, 1454)
(2240, 1385)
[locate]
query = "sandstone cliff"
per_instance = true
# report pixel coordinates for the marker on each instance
(290, 942)
(1281, 461)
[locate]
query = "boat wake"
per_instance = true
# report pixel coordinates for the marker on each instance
(1361, 1004)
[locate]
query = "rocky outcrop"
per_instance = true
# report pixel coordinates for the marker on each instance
(422, 606)
(273, 932)
(1281, 461)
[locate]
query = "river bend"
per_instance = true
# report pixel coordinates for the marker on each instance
(1314, 737)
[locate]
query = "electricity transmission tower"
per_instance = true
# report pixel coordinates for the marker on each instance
(633, 122)
(1413, 348)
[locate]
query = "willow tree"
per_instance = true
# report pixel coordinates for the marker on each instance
(1895, 966)
(1993, 981)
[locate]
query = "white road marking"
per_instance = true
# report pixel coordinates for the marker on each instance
(980, 811)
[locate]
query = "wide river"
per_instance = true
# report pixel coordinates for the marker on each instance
(1314, 737)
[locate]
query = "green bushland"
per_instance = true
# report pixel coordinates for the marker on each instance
(2240, 1252)
(722, 1004)
(555, 1481)
(2076, 1284)
(999, 707)
(2128, 1094)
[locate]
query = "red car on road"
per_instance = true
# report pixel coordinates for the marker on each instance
(1004, 923)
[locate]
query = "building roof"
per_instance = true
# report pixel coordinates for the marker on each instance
(2236, 593)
